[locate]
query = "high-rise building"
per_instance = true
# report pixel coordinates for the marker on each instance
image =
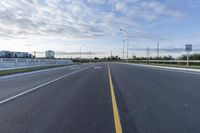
(50, 54)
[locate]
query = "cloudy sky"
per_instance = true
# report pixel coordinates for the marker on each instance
(93, 25)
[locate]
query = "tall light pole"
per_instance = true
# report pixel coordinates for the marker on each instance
(123, 48)
(158, 45)
(126, 39)
(148, 54)
(90, 56)
(34, 54)
(80, 53)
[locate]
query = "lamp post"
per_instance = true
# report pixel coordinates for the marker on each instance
(80, 58)
(80, 53)
(126, 39)
(123, 48)
(90, 56)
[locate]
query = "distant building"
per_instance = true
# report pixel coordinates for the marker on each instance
(10, 54)
(4, 54)
(22, 55)
(50, 54)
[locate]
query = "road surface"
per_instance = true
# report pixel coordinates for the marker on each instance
(101, 98)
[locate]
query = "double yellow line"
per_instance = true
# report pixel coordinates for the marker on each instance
(118, 127)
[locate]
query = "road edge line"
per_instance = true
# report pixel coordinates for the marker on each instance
(172, 69)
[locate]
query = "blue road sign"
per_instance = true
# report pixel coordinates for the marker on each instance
(188, 47)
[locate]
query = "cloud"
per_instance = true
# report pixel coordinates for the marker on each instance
(147, 10)
(120, 6)
(185, 4)
(82, 53)
(77, 18)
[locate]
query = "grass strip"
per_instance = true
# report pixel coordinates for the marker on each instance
(171, 65)
(29, 69)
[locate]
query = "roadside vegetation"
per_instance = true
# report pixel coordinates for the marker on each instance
(170, 61)
(195, 56)
(29, 69)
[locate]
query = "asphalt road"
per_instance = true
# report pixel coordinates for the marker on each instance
(89, 99)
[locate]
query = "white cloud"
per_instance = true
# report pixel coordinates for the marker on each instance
(157, 7)
(120, 6)
(77, 18)
(99, 2)
(151, 10)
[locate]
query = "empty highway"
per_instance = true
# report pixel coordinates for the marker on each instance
(101, 98)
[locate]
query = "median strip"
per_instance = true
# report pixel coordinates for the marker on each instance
(118, 127)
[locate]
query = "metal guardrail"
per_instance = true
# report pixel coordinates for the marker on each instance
(178, 62)
(168, 61)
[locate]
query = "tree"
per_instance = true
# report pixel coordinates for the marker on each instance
(96, 58)
(194, 56)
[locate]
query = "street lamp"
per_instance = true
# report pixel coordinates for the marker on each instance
(123, 48)
(126, 39)
(90, 55)
(81, 51)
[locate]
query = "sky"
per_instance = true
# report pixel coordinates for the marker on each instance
(66, 26)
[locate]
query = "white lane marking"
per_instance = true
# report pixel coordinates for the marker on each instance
(33, 72)
(169, 69)
(97, 67)
(73, 68)
(180, 71)
(35, 88)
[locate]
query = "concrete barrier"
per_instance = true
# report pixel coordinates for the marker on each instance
(6, 63)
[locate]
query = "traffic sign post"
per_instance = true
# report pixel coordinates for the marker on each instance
(188, 49)
(188, 54)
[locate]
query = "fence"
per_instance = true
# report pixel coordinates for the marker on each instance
(25, 62)
(192, 62)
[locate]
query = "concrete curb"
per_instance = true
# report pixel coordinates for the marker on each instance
(170, 68)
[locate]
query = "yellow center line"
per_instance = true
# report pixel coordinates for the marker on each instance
(118, 127)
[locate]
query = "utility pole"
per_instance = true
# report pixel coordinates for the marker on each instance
(80, 54)
(148, 54)
(111, 55)
(35, 54)
(158, 48)
(123, 49)
(188, 54)
(188, 48)
(127, 51)
(90, 56)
